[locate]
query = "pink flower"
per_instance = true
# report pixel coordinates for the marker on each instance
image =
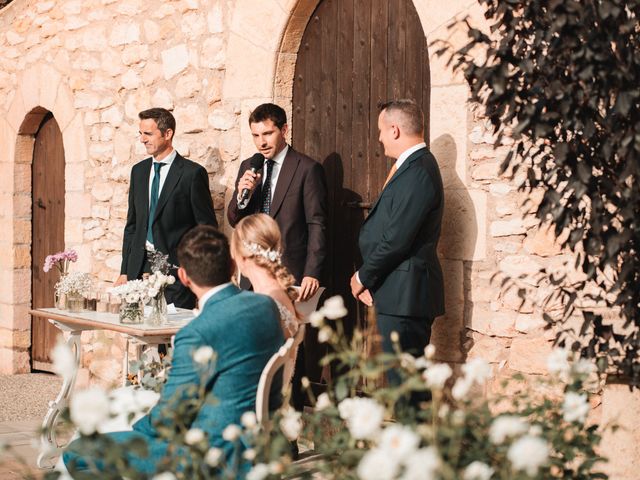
(60, 260)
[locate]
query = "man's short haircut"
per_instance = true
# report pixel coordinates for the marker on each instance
(163, 118)
(204, 254)
(407, 113)
(269, 111)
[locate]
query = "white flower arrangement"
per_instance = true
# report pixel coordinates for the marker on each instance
(74, 283)
(157, 282)
(132, 292)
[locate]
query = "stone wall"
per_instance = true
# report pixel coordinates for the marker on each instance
(94, 64)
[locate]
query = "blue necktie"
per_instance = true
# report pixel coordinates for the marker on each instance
(266, 188)
(153, 201)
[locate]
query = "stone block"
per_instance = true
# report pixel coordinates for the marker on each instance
(124, 34)
(222, 120)
(190, 119)
(506, 228)
(14, 362)
(213, 53)
(491, 349)
(448, 125)
(174, 60)
(64, 111)
(517, 265)
(542, 242)
(162, 98)
(448, 331)
(496, 324)
(529, 323)
(130, 80)
(621, 406)
(22, 231)
(529, 355)
(134, 54)
(152, 32)
(112, 115)
(215, 19)
(21, 256)
(77, 205)
(251, 73)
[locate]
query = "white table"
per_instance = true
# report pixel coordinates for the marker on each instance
(141, 335)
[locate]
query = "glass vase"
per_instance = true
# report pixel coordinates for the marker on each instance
(75, 302)
(158, 314)
(131, 312)
(59, 300)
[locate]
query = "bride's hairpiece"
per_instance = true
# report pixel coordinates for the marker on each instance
(268, 254)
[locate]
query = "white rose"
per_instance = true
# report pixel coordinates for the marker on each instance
(290, 424)
(193, 436)
(248, 419)
(376, 465)
(558, 363)
(429, 351)
(422, 465)
(64, 361)
(249, 454)
(213, 456)
(89, 408)
(477, 370)
(364, 417)
(477, 471)
(575, 407)
(316, 319)
(153, 292)
(258, 472)
(323, 402)
(203, 355)
(334, 308)
(461, 388)
(399, 442)
(528, 454)
(507, 426)
(324, 335)
(437, 375)
(171, 280)
(164, 476)
(231, 433)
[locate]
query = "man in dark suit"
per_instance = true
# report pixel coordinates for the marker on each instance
(168, 196)
(401, 274)
(229, 389)
(291, 188)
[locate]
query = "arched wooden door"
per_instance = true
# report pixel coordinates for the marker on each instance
(354, 54)
(47, 232)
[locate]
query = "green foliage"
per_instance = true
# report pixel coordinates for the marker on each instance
(561, 78)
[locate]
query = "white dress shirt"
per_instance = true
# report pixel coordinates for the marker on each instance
(164, 171)
(202, 301)
(275, 173)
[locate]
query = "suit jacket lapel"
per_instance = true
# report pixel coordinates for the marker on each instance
(405, 166)
(175, 172)
(285, 176)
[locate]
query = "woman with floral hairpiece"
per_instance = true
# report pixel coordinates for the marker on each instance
(256, 247)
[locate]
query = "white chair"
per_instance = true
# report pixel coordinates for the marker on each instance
(306, 308)
(277, 361)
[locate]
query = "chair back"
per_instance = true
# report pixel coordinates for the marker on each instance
(306, 308)
(275, 363)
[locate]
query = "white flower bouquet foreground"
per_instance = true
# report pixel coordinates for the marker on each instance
(365, 430)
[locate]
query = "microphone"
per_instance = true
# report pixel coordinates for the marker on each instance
(256, 162)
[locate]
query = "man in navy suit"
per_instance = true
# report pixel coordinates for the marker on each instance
(401, 273)
(243, 328)
(168, 196)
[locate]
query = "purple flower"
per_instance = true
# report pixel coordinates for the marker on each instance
(60, 260)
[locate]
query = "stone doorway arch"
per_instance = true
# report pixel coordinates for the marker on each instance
(265, 38)
(40, 90)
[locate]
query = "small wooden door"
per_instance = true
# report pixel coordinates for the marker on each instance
(47, 233)
(354, 54)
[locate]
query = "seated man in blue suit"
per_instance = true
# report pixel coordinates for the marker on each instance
(243, 329)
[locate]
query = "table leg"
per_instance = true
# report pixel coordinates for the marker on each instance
(50, 448)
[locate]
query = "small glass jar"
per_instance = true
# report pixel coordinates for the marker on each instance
(131, 312)
(158, 314)
(75, 302)
(59, 300)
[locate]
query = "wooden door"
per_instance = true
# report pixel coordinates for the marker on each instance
(47, 233)
(354, 54)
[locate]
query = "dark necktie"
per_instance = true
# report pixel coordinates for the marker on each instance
(153, 201)
(266, 189)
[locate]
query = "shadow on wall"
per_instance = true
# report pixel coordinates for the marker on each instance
(457, 246)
